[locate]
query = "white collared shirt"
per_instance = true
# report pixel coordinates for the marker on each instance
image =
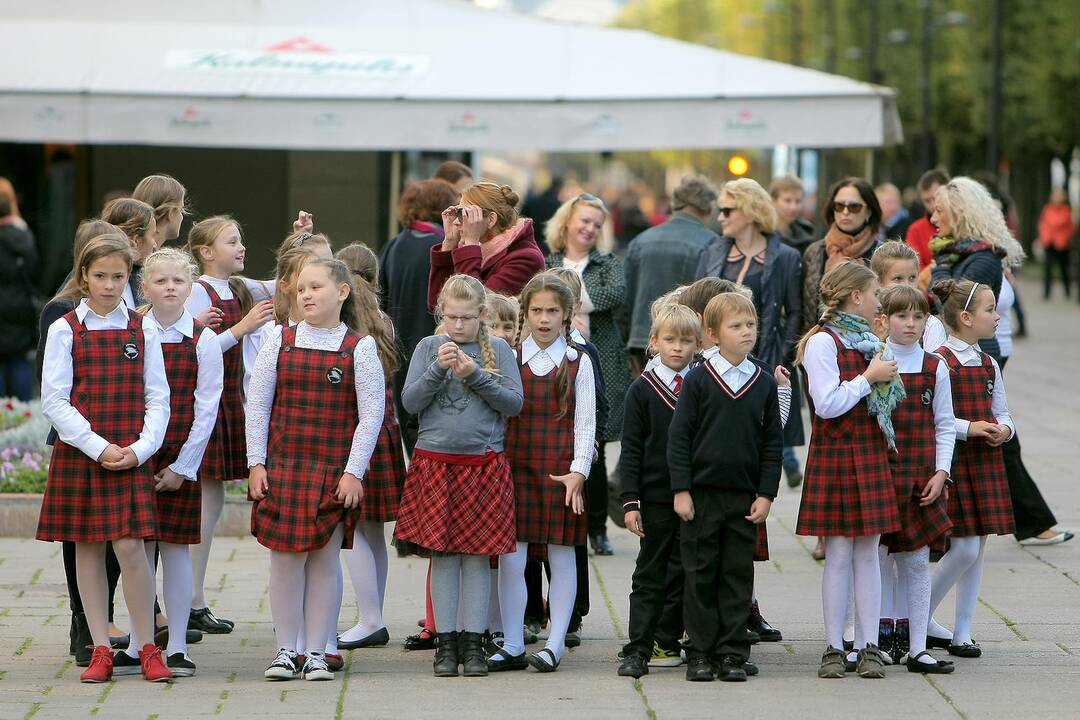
(57, 378)
(909, 359)
(734, 375)
(208, 386)
(832, 398)
(543, 361)
(667, 375)
(934, 334)
(200, 300)
(970, 356)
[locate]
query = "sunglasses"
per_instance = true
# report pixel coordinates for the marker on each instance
(589, 197)
(851, 207)
(726, 211)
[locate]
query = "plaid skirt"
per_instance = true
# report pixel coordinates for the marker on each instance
(456, 508)
(385, 477)
(979, 500)
(300, 510)
(179, 513)
(86, 503)
(919, 526)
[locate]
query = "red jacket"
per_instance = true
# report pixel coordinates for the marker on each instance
(1056, 226)
(919, 235)
(505, 273)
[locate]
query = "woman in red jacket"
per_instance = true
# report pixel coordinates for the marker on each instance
(486, 239)
(1056, 229)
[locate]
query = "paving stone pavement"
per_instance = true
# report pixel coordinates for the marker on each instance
(1028, 622)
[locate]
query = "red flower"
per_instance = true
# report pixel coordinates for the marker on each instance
(27, 413)
(9, 405)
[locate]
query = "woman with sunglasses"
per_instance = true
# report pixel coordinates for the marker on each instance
(853, 215)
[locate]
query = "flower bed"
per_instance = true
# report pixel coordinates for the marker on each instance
(24, 457)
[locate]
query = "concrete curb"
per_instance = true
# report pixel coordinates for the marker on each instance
(19, 516)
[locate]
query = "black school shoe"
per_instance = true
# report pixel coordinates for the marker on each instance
(502, 661)
(601, 545)
(939, 643)
(633, 665)
(161, 636)
(757, 624)
(181, 665)
(751, 668)
(379, 638)
(423, 640)
(700, 669)
(938, 667)
(966, 650)
(730, 669)
(204, 620)
(124, 664)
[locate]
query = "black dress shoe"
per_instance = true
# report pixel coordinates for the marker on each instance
(938, 667)
(601, 545)
(205, 621)
(730, 670)
(119, 642)
(473, 660)
(423, 640)
(634, 665)
(849, 645)
(940, 643)
(379, 638)
(193, 636)
(751, 668)
(966, 650)
(502, 661)
(758, 624)
(446, 655)
(700, 669)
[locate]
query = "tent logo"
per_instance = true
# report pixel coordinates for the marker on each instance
(298, 56)
(468, 124)
(189, 117)
(745, 120)
(299, 45)
(48, 115)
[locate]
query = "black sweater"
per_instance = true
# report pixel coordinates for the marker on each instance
(726, 443)
(643, 468)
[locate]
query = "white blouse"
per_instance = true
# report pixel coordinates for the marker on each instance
(369, 381)
(832, 398)
(544, 361)
(934, 334)
(909, 359)
(200, 300)
(208, 386)
(969, 356)
(57, 378)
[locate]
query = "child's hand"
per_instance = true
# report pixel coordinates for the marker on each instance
(684, 505)
(447, 355)
(979, 429)
(759, 510)
(632, 518)
(880, 370)
(574, 482)
(934, 489)
(782, 376)
(111, 454)
(211, 317)
(464, 366)
(350, 490)
(257, 482)
(260, 313)
(127, 461)
(168, 481)
(304, 222)
(996, 434)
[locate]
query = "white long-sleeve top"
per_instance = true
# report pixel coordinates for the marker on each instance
(969, 356)
(369, 381)
(544, 361)
(208, 385)
(934, 334)
(832, 398)
(57, 378)
(909, 359)
(200, 300)
(783, 392)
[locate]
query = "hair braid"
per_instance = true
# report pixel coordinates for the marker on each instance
(491, 361)
(562, 376)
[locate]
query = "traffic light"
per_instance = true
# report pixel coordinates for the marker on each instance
(738, 166)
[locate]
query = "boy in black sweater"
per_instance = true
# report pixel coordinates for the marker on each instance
(646, 485)
(724, 448)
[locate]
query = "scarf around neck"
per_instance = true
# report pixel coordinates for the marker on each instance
(948, 250)
(494, 246)
(840, 245)
(884, 396)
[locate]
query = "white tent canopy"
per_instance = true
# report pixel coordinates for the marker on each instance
(407, 74)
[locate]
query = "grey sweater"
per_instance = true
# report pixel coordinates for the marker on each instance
(462, 417)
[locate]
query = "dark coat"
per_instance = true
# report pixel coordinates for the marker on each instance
(781, 297)
(18, 265)
(982, 266)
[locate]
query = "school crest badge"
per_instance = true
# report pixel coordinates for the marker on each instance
(334, 375)
(927, 396)
(990, 387)
(131, 351)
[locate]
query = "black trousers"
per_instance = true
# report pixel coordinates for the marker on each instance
(112, 575)
(596, 494)
(718, 558)
(1030, 510)
(654, 584)
(1060, 259)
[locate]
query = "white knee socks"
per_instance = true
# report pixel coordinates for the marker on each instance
(213, 499)
(914, 568)
(177, 585)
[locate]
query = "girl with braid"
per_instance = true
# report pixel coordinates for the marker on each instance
(848, 496)
(458, 501)
(550, 445)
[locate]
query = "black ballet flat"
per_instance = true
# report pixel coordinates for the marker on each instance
(966, 650)
(939, 643)
(938, 667)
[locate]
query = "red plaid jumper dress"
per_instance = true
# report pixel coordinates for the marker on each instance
(311, 429)
(226, 453)
(847, 488)
(914, 463)
(386, 472)
(179, 513)
(83, 501)
(979, 500)
(539, 444)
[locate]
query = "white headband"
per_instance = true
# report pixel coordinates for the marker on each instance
(970, 295)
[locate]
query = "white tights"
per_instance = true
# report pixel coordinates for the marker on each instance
(176, 591)
(961, 566)
(137, 584)
(213, 500)
(894, 591)
(367, 564)
(513, 596)
(914, 568)
(847, 558)
(302, 589)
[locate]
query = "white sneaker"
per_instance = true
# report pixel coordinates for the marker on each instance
(1055, 539)
(315, 668)
(284, 666)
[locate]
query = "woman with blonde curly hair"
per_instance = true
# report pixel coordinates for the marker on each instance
(974, 243)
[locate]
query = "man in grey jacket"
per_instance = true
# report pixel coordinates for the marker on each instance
(664, 257)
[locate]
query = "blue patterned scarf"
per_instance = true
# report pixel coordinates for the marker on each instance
(884, 396)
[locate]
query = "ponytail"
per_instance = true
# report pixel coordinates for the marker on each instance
(837, 285)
